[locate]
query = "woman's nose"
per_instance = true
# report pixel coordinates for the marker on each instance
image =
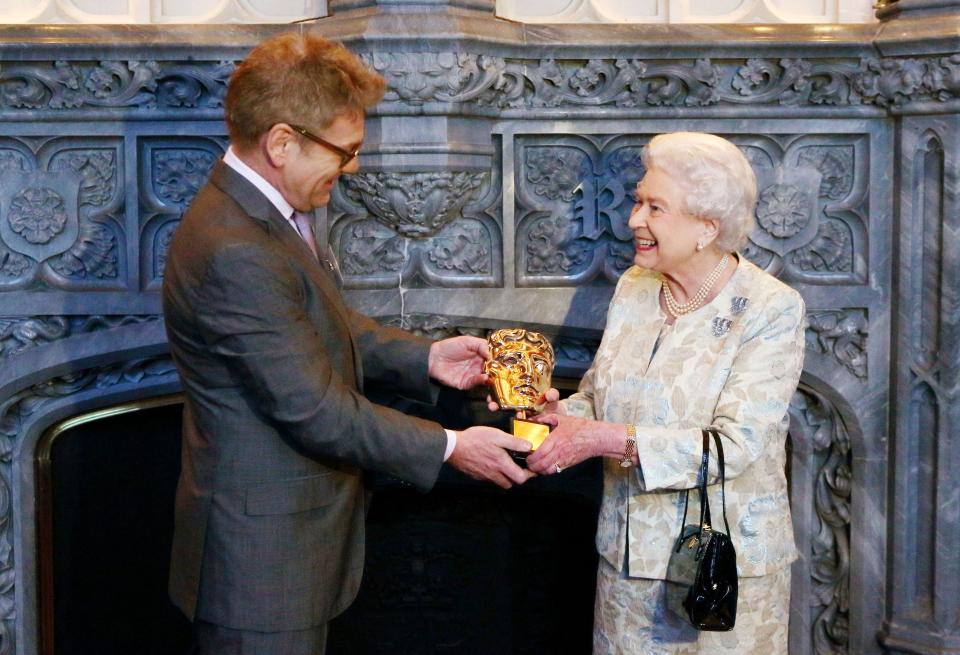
(638, 217)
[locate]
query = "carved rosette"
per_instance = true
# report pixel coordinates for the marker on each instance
(37, 214)
(817, 422)
(783, 210)
(415, 228)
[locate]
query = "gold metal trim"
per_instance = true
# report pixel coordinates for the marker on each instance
(44, 503)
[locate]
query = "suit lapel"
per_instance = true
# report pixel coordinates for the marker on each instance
(260, 209)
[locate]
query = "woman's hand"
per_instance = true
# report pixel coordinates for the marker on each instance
(552, 396)
(571, 441)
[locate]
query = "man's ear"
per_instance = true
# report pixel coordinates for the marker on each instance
(278, 144)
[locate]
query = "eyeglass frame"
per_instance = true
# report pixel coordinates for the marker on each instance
(346, 156)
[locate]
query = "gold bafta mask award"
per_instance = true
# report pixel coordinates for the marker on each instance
(520, 367)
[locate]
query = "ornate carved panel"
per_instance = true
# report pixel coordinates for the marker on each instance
(113, 84)
(172, 171)
(821, 448)
(503, 84)
(842, 334)
(61, 213)
(18, 333)
(417, 229)
(574, 195)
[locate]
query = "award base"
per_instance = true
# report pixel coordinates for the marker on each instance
(535, 433)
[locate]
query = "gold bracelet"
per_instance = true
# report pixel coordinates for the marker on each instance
(627, 460)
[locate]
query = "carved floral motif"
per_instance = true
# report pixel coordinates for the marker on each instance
(417, 78)
(64, 85)
(93, 254)
(13, 264)
(179, 174)
(466, 250)
(66, 216)
(414, 205)
(555, 173)
(371, 249)
(783, 210)
(831, 250)
(37, 214)
(835, 164)
(843, 334)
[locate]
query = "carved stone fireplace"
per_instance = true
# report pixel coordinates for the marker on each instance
(495, 190)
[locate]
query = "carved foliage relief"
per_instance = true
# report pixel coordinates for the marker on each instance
(418, 229)
(818, 424)
(172, 172)
(416, 78)
(419, 78)
(61, 213)
(574, 197)
(841, 334)
(69, 85)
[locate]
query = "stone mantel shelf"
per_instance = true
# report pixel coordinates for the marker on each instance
(466, 31)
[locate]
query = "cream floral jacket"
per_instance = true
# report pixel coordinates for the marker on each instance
(734, 364)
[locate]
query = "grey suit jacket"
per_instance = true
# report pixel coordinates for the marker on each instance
(270, 504)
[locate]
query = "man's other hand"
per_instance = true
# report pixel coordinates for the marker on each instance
(481, 453)
(458, 362)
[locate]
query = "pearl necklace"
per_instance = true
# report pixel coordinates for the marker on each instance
(694, 303)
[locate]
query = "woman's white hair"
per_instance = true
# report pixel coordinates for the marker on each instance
(717, 179)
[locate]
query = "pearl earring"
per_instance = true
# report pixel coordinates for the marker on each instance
(699, 245)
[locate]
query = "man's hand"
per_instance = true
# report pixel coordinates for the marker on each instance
(458, 362)
(552, 397)
(481, 454)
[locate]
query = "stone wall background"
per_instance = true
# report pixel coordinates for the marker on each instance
(495, 190)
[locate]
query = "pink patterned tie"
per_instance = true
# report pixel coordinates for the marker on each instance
(304, 224)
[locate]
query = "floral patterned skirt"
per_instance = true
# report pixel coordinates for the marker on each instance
(635, 616)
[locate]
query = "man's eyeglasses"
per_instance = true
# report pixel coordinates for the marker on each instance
(346, 156)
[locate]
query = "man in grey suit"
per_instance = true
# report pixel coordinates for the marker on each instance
(269, 535)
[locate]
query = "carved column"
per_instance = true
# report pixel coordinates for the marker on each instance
(923, 608)
(420, 214)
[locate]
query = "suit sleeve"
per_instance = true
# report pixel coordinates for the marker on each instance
(751, 409)
(394, 358)
(252, 311)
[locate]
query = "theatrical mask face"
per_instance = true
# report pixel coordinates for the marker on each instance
(520, 368)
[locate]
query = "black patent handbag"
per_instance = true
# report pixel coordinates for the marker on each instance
(711, 600)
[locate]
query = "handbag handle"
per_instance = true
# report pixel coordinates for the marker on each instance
(723, 489)
(702, 485)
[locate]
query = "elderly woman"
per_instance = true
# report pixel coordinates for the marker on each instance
(696, 336)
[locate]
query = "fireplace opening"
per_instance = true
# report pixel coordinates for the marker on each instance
(106, 482)
(464, 569)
